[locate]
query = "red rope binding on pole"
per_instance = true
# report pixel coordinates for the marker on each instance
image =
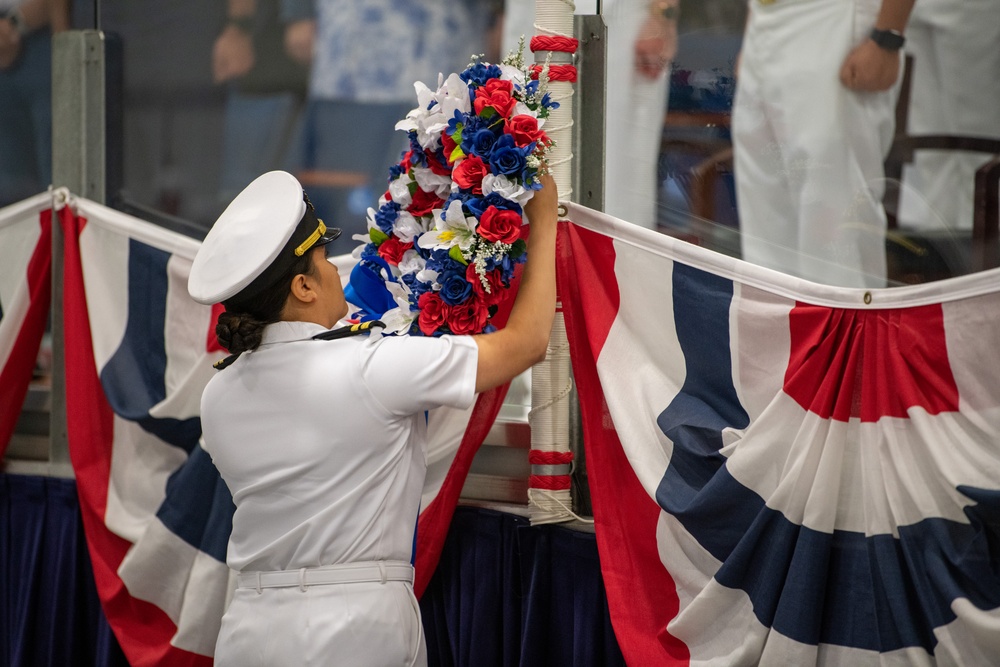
(550, 43)
(556, 72)
(542, 457)
(549, 482)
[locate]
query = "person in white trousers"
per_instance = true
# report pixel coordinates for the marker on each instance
(955, 89)
(812, 122)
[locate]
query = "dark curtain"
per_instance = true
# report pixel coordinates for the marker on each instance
(49, 610)
(506, 593)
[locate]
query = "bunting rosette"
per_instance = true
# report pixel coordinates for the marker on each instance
(442, 246)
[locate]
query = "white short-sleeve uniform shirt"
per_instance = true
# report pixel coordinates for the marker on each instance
(322, 444)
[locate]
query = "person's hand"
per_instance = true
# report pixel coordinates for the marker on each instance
(10, 43)
(232, 55)
(300, 36)
(656, 45)
(543, 207)
(870, 68)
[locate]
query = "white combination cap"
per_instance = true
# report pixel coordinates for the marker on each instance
(256, 239)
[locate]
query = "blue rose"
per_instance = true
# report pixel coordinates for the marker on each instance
(473, 124)
(483, 142)
(501, 202)
(506, 158)
(455, 289)
(476, 206)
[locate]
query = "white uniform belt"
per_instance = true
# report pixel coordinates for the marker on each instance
(347, 573)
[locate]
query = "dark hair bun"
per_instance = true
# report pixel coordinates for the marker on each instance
(239, 332)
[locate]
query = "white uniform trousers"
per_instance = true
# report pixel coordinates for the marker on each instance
(955, 89)
(359, 624)
(808, 152)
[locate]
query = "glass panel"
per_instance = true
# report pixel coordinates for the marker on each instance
(790, 167)
(216, 93)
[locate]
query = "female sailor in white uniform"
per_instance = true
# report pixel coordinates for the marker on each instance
(321, 436)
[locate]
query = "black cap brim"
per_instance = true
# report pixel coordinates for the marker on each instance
(331, 234)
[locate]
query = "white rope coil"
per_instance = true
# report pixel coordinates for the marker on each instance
(551, 380)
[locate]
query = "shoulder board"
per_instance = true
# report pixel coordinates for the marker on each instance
(223, 364)
(353, 330)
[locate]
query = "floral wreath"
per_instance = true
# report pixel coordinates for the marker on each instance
(442, 247)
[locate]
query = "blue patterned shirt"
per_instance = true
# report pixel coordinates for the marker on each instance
(374, 50)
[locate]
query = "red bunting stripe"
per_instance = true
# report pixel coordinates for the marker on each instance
(547, 43)
(556, 72)
(549, 482)
(541, 457)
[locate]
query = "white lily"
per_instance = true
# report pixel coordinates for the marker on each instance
(361, 238)
(521, 109)
(452, 228)
(399, 319)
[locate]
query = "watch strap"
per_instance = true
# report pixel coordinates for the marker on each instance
(890, 40)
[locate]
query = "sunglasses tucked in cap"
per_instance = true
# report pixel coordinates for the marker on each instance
(256, 239)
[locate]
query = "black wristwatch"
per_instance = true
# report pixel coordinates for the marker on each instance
(890, 40)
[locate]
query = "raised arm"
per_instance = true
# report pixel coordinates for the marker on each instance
(506, 353)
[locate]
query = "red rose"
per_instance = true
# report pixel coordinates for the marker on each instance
(392, 249)
(405, 163)
(493, 278)
(437, 162)
(433, 313)
(448, 146)
(469, 174)
(497, 94)
(469, 318)
(500, 225)
(524, 129)
(423, 203)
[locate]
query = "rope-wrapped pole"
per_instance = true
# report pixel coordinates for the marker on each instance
(549, 496)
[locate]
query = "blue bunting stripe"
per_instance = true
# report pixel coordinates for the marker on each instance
(843, 588)
(134, 377)
(198, 507)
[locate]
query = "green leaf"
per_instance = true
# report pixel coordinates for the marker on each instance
(518, 248)
(456, 254)
(377, 235)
